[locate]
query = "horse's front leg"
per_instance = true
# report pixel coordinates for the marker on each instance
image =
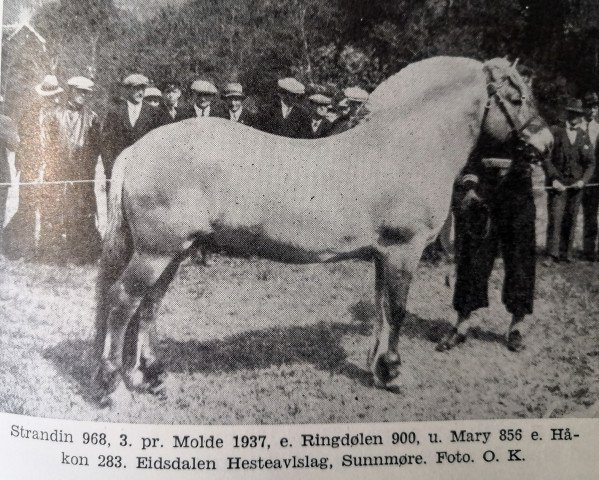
(395, 267)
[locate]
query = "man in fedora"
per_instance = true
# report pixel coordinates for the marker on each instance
(204, 93)
(590, 195)
(287, 118)
(128, 121)
(68, 211)
(319, 124)
(567, 170)
(351, 109)
(233, 96)
(20, 233)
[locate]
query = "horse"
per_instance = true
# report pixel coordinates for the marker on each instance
(380, 192)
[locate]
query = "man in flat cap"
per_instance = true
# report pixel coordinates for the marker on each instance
(569, 167)
(233, 97)
(287, 118)
(204, 93)
(20, 233)
(590, 195)
(171, 111)
(153, 97)
(130, 120)
(319, 124)
(351, 109)
(68, 211)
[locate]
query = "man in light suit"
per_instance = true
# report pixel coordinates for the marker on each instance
(130, 120)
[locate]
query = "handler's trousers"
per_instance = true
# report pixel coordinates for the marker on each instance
(511, 229)
(562, 210)
(590, 209)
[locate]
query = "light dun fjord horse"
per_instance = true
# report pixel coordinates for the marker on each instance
(379, 192)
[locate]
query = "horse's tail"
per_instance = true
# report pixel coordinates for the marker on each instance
(116, 252)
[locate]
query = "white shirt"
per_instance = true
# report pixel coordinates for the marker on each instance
(315, 124)
(235, 115)
(593, 131)
(285, 110)
(571, 132)
(134, 110)
(202, 112)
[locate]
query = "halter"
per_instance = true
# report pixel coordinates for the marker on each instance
(494, 92)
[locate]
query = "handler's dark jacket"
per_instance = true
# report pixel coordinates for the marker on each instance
(118, 133)
(503, 219)
(296, 125)
(569, 162)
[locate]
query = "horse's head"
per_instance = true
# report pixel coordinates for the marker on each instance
(511, 110)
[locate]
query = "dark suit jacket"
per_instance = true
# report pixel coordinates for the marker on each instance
(245, 118)
(569, 162)
(189, 111)
(296, 125)
(165, 117)
(118, 133)
(323, 129)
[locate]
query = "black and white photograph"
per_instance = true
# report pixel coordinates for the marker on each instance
(224, 212)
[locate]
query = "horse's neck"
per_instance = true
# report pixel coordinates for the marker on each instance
(456, 120)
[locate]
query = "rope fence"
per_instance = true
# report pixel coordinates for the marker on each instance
(73, 182)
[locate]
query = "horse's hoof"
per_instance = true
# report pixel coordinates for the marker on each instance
(450, 340)
(154, 373)
(107, 379)
(136, 379)
(386, 369)
(515, 342)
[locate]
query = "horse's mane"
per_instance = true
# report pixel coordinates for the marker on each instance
(421, 82)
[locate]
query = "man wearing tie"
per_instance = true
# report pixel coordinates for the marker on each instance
(287, 118)
(567, 170)
(130, 120)
(171, 111)
(319, 124)
(204, 93)
(233, 96)
(590, 195)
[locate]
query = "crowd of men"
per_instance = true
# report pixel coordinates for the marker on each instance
(62, 140)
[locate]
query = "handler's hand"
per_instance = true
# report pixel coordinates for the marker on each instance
(557, 185)
(578, 185)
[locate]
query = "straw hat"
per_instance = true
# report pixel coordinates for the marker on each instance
(49, 87)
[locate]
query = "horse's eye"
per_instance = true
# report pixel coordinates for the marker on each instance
(516, 101)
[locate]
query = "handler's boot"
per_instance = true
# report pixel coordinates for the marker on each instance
(456, 335)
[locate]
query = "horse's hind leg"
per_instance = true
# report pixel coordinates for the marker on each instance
(395, 267)
(147, 371)
(124, 298)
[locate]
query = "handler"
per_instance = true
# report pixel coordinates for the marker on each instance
(494, 209)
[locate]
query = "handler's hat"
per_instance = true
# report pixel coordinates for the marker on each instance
(233, 90)
(356, 94)
(291, 85)
(81, 83)
(152, 92)
(203, 86)
(590, 99)
(136, 80)
(575, 105)
(320, 99)
(49, 87)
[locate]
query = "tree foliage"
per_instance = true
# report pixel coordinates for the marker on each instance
(326, 42)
